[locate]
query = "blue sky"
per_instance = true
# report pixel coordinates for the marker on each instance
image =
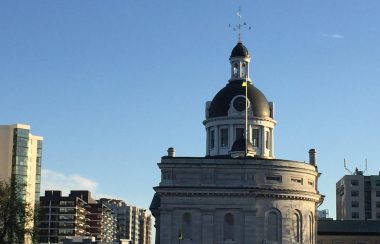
(112, 84)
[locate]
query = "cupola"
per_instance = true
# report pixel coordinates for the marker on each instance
(239, 110)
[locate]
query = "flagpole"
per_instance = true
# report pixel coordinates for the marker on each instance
(246, 118)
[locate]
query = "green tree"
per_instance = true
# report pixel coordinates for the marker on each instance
(16, 215)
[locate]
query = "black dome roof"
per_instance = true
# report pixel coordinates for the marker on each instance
(221, 103)
(239, 146)
(239, 51)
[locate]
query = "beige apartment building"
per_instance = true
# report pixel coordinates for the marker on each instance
(20, 159)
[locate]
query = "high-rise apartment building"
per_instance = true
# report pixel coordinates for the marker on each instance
(133, 223)
(20, 163)
(20, 159)
(77, 214)
(358, 197)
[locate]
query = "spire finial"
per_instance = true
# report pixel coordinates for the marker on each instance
(240, 25)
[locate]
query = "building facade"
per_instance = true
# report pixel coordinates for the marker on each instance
(74, 215)
(133, 223)
(20, 162)
(358, 197)
(238, 193)
(20, 159)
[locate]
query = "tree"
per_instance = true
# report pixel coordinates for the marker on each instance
(16, 215)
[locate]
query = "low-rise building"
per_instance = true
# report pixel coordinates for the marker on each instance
(348, 232)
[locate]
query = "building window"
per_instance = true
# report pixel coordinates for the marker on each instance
(224, 137)
(273, 226)
(377, 193)
(297, 227)
(229, 227)
(355, 215)
(244, 70)
(240, 133)
(311, 229)
(378, 215)
(354, 182)
(355, 204)
(267, 139)
(377, 182)
(255, 137)
(377, 204)
(297, 180)
(274, 178)
(212, 138)
(354, 193)
(235, 70)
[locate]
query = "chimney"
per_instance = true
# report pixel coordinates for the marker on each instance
(171, 152)
(312, 157)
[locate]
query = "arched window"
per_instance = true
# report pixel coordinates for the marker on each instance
(273, 226)
(186, 226)
(297, 227)
(228, 227)
(236, 70)
(244, 70)
(311, 229)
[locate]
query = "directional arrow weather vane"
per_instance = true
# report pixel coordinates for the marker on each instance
(240, 25)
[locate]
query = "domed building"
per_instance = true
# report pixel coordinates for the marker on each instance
(239, 193)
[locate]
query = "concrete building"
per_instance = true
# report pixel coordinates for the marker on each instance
(101, 222)
(358, 197)
(238, 193)
(348, 232)
(133, 223)
(75, 215)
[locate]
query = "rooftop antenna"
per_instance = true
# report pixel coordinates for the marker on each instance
(357, 171)
(240, 25)
(345, 167)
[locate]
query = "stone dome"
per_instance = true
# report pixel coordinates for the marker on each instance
(221, 103)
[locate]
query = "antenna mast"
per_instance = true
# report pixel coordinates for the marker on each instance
(345, 167)
(357, 171)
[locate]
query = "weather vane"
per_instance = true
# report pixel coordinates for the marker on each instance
(240, 25)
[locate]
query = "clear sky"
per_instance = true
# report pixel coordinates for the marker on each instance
(110, 85)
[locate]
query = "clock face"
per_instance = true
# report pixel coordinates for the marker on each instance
(239, 103)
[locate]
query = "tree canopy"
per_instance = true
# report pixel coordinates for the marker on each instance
(16, 215)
